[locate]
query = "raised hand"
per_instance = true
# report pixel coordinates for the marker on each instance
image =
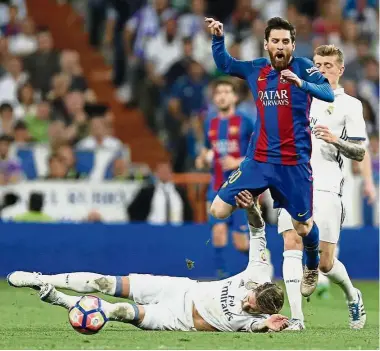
(291, 77)
(216, 27)
(244, 199)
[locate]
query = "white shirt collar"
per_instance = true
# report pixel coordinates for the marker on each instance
(339, 91)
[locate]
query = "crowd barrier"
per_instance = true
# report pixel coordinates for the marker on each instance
(167, 250)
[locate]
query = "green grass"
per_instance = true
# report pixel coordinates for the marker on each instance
(31, 324)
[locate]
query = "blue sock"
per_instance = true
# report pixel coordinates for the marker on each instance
(311, 245)
(220, 261)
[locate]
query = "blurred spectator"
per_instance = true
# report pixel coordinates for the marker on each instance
(21, 134)
(123, 170)
(374, 151)
(270, 8)
(369, 117)
(10, 168)
(304, 46)
(347, 41)
(179, 68)
(246, 104)
(191, 23)
(38, 124)
(70, 65)
(186, 101)
(329, 22)
(34, 213)
(10, 82)
(60, 87)
(24, 43)
(66, 153)
(4, 10)
(13, 25)
(157, 65)
(369, 87)
(26, 101)
(252, 45)
(6, 119)
(99, 136)
(57, 168)
(241, 19)
(161, 202)
(94, 217)
(355, 69)
(57, 133)
(364, 13)
(44, 63)
(4, 55)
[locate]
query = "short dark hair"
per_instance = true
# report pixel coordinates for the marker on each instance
(224, 81)
(6, 106)
(280, 23)
(36, 202)
(269, 298)
(20, 125)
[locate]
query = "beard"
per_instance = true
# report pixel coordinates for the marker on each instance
(279, 61)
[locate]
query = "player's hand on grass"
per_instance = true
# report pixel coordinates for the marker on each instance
(324, 133)
(291, 77)
(230, 163)
(216, 27)
(244, 199)
(277, 322)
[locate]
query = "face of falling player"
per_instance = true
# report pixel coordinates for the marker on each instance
(224, 97)
(249, 303)
(330, 67)
(280, 48)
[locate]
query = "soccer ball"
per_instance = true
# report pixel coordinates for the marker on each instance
(87, 315)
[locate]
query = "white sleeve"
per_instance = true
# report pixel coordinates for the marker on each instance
(256, 324)
(355, 125)
(132, 23)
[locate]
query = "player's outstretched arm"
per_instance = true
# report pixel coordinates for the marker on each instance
(351, 148)
(223, 60)
(275, 322)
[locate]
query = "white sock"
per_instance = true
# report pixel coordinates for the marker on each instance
(122, 312)
(66, 301)
(322, 279)
(292, 273)
(338, 275)
(79, 281)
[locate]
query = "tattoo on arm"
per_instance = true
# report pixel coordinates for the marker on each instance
(352, 149)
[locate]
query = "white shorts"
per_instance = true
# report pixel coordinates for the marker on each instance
(328, 214)
(166, 300)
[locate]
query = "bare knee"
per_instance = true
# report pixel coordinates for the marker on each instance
(219, 235)
(303, 228)
(326, 262)
(110, 285)
(220, 209)
(292, 241)
(241, 242)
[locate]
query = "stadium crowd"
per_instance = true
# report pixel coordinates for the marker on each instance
(45, 99)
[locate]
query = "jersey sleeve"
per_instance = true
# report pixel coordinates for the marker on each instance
(256, 324)
(226, 63)
(314, 83)
(355, 125)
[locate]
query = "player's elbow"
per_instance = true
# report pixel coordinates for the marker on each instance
(360, 155)
(220, 210)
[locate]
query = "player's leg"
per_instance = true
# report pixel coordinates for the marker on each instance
(219, 242)
(329, 214)
(292, 268)
(292, 189)
(249, 176)
(122, 312)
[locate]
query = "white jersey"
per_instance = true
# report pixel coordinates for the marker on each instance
(344, 117)
(220, 302)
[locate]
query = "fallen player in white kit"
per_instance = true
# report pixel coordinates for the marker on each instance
(245, 302)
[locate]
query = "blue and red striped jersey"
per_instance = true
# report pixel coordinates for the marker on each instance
(227, 136)
(282, 133)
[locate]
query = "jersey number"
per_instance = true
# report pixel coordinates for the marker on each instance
(234, 176)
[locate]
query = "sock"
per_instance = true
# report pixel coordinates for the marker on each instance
(292, 273)
(123, 312)
(323, 280)
(66, 301)
(311, 245)
(220, 262)
(80, 281)
(338, 275)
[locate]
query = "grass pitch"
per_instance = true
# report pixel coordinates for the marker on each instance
(28, 323)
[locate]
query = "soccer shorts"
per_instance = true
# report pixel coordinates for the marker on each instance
(166, 301)
(328, 215)
(291, 187)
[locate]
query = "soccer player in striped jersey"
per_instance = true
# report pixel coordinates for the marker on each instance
(279, 153)
(338, 130)
(226, 137)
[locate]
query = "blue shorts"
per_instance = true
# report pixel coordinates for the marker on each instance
(291, 187)
(237, 222)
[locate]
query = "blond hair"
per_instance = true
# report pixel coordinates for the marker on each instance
(330, 50)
